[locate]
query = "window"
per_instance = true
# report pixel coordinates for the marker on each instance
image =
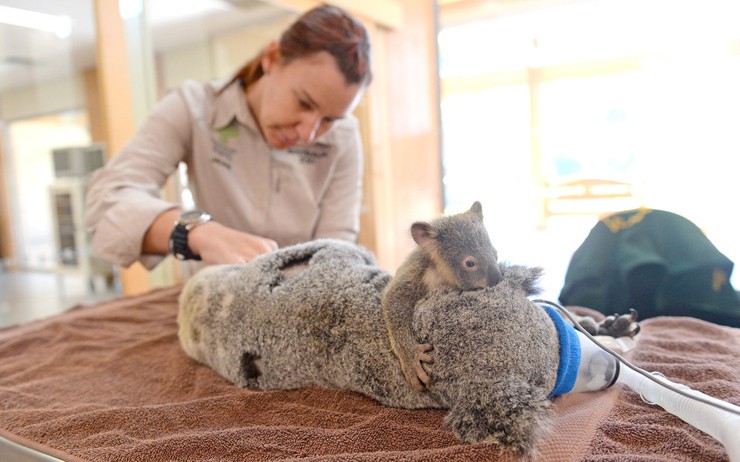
(638, 95)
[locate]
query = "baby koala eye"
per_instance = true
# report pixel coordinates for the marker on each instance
(470, 263)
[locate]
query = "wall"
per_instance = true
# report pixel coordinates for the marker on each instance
(400, 116)
(34, 100)
(216, 58)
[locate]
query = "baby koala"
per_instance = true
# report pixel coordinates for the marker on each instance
(454, 252)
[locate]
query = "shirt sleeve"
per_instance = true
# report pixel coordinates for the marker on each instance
(340, 206)
(123, 197)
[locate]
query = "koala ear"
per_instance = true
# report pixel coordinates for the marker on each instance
(525, 277)
(511, 413)
(477, 209)
(423, 232)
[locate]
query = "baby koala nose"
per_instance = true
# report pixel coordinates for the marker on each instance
(494, 275)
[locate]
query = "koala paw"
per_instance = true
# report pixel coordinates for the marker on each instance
(616, 325)
(423, 357)
(413, 369)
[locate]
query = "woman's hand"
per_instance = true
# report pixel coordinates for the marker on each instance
(214, 242)
(218, 244)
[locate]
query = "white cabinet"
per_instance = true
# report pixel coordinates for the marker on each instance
(73, 250)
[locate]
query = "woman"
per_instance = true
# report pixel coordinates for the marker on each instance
(273, 156)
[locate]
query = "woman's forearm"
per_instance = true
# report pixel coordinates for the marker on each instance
(157, 238)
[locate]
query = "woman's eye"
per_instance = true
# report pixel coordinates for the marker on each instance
(304, 104)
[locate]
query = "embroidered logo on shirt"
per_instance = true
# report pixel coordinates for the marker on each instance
(220, 146)
(617, 224)
(230, 131)
(310, 154)
(223, 154)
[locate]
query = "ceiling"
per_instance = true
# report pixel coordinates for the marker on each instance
(29, 55)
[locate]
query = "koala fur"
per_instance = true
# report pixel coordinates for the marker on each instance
(310, 315)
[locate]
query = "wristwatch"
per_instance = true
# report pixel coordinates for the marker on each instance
(179, 238)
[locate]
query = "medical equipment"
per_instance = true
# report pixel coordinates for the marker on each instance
(600, 367)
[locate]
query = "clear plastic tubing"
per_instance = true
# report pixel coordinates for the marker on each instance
(722, 425)
(599, 370)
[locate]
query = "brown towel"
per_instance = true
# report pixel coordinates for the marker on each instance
(110, 383)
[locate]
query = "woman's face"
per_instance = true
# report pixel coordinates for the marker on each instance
(296, 102)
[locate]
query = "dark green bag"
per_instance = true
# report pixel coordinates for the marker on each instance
(657, 262)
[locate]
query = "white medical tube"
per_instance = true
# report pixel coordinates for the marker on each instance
(721, 424)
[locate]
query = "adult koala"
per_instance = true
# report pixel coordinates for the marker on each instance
(310, 315)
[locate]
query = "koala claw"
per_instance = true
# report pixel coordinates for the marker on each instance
(413, 379)
(422, 377)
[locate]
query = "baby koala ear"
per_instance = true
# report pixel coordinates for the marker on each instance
(423, 232)
(510, 413)
(477, 208)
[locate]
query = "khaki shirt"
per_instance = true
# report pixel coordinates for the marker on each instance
(291, 196)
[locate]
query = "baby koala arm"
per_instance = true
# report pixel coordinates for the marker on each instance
(398, 305)
(616, 325)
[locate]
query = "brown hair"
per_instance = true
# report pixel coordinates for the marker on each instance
(324, 28)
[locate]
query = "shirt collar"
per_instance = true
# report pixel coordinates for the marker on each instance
(231, 104)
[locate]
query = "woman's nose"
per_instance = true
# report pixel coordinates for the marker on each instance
(308, 127)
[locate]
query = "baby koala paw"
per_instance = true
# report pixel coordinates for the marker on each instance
(616, 325)
(415, 374)
(423, 357)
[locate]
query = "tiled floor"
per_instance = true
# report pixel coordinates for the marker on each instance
(25, 296)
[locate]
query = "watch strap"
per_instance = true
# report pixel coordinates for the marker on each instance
(179, 246)
(179, 243)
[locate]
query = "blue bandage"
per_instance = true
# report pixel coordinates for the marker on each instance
(570, 353)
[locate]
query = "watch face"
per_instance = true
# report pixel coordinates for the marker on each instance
(193, 217)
